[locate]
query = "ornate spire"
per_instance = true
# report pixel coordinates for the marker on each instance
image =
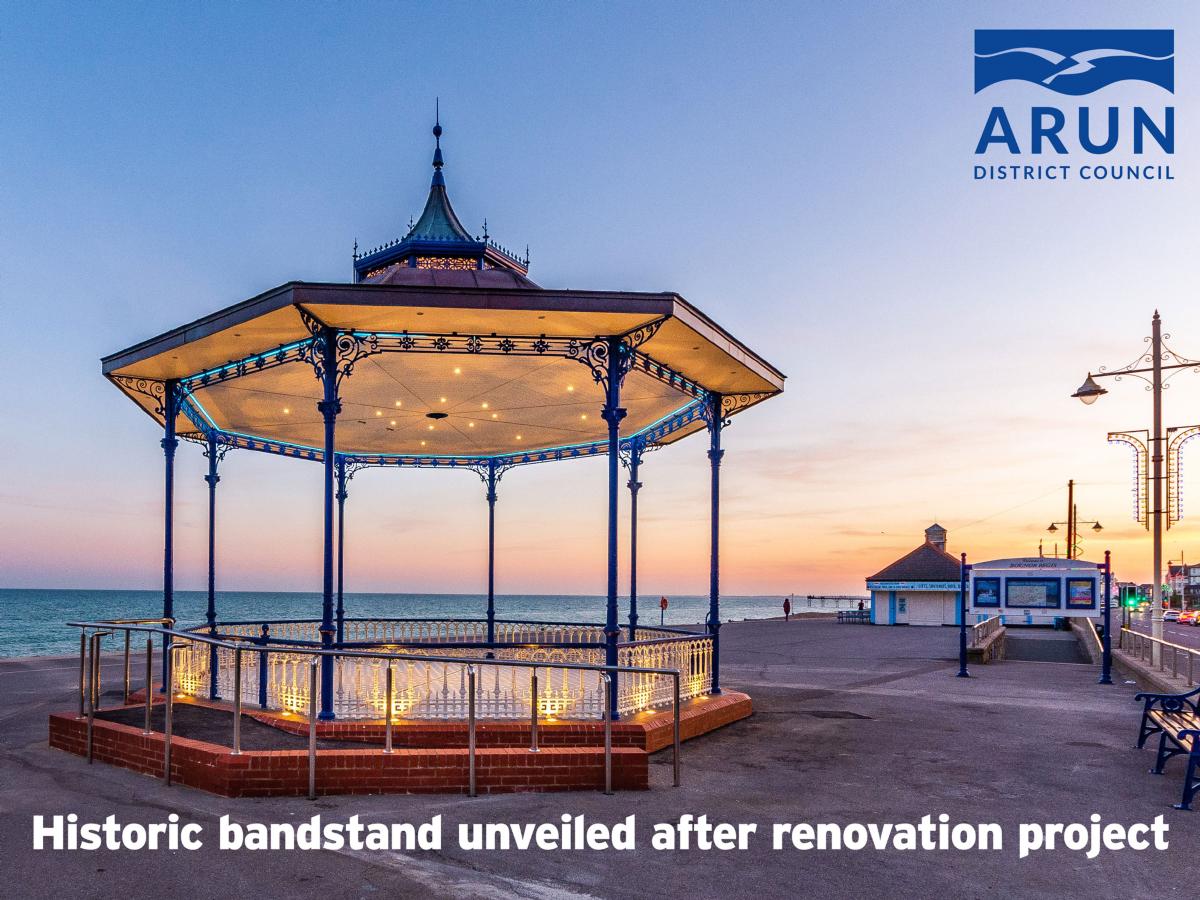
(438, 180)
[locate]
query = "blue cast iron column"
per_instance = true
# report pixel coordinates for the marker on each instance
(169, 443)
(210, 614)
(715, 424)
(491, 598)
(329, 408)
(612, 413)
(341, 548)
(962, 617)
(1106, 655)
(635, 461)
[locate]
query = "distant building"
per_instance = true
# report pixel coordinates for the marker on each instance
(920, 588)
(1183, 581)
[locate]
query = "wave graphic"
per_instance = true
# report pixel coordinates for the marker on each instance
(1075, 62)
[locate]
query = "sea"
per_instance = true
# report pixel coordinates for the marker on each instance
(33, 621)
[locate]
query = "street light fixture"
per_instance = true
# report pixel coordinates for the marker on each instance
(1148, 366)
(1089, 392)
(1073, 523)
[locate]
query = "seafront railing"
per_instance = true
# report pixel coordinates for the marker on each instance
(1169, 656)
(179, 647)
(426, 688)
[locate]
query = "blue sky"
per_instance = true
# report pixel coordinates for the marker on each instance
(801, 172)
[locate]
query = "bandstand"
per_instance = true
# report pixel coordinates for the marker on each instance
(443, 354)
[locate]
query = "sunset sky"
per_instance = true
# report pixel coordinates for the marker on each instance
(803, 177)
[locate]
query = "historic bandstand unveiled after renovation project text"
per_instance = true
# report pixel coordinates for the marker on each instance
(442, 354)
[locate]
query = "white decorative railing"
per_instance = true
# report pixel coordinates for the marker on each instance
(690, 656)
(437, 689)
(981, 631)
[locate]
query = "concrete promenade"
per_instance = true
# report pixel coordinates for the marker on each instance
(852, 724)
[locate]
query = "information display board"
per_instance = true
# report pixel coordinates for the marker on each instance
(1032, 593)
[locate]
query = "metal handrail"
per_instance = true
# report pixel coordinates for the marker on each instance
(171, 645)
(1141, 642)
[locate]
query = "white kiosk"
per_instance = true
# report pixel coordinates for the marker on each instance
(1035, 590)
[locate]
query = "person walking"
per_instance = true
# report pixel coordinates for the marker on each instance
(861, 606)
(787, 609)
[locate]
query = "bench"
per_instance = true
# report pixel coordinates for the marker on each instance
(860, 616)
(1175, 718)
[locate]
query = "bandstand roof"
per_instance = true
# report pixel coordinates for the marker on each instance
(446, 364)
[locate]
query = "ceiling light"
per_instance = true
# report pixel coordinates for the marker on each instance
(442, 399)
(397, 403)
(286, 411)
(495, 415)
(379, 412)
(570, 387)
(457, 370)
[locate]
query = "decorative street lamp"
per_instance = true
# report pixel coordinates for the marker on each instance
(1149, 367)
(1073, 523)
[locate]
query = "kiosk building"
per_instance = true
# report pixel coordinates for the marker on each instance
(920, 588)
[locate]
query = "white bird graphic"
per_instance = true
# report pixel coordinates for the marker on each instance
(1082, 60)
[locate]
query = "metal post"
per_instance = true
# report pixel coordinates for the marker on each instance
(263, 662)
(962, 618)
(533, 710)
(1156, 438)
(237, 701)
(715, 424)
(329, 408)
(636, 448)
(210, 613)
(169, 708)
(387, 712)
(312, 728)
(1106, 662)
(341, 548)
(83, 645)
(675, 753)
(125, 691)
(93, 668)
(170, 410)
(149, 683)
(491, 595)
(1071, 519)
(612, 413)
(471, 731)
(95, 674)
(608, 720)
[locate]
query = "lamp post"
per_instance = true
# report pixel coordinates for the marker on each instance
(1073, 523)
(1149, 366)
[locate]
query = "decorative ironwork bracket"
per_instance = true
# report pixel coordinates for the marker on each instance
(147, 387)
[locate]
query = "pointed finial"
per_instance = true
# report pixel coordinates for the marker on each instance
(437, 148)
(356, 248)
(485, 233)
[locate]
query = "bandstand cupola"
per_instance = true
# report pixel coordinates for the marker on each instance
(437, 241)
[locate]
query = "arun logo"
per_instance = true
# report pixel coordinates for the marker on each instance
(1075, 62)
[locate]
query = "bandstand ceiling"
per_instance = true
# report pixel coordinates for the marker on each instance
(482, 404)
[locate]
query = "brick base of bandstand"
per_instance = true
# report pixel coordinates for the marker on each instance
(429, 757)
